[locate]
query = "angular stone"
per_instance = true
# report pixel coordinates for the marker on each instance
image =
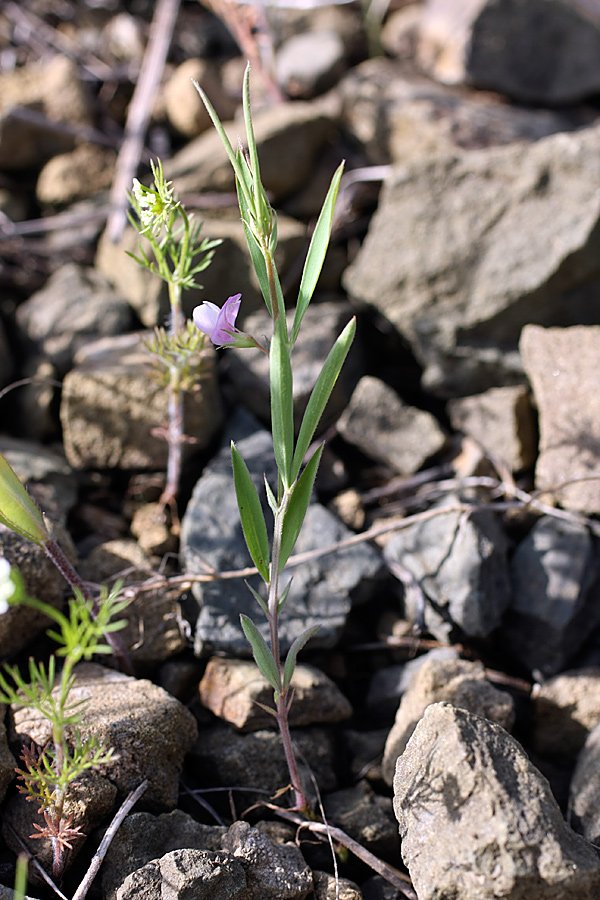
(584, 800)
(456, 681)
(483, 253)
(487, 43)
(187, 873)
(326, 887)
(389, 683)
(385, 428)
(76, 305)
(565, 709)
(273, 871)
(502, 421)
(222, 756)
(110, 406)
(459, 561)
(555, 605)
(310, 63)
(83, 172)
(498, 830)
(149, 730)
(183, 106)
(366, 816)
(143, 837)
(233, 688)
(561, 364)
(402, 117)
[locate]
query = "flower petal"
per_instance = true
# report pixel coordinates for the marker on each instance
(205, 317)
(225, 323)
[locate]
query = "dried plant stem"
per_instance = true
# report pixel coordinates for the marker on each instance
(106, 841)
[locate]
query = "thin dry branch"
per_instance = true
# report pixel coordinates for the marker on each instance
(138, 115)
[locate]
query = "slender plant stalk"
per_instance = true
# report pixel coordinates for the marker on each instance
(72, 577)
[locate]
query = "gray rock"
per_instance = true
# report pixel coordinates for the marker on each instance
(273, 871)
(256, 760)
(498, 830)
(83, 172)
(385, 428)
(149, 730)
(183, 874)
(323, 590)
(76, 305)
(365, 816)
(183, 106)
(143, 837)
(155, 629)
(20, 624)
(53, 88)
(487, 43)
(403, 117)
(482, 252)
(502, 421)
(326, 887)
(391, 682)
(456, 681)
(365, 750)
(554, 573)
(321, 326)
(561, 366)
(565, 709)
(7, 760)
(459, 561)
(111, 404)
(584, 800)
(234, 689)
(310, 63)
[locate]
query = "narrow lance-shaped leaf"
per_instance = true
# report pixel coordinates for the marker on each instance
(290, 661)
(260, 650)
(258, 598)
(316, 253)
(298, 505)
(251, 515)
(258, 260)
(282, 403)
(17, 509)
(321, 393)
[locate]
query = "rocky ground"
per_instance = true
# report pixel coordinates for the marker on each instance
(447, 713)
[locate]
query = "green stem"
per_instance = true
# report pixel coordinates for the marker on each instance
(175, 429)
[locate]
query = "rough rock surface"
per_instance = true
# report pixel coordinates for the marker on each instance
(561, 364)
(111, 404)
(149, 730)
(584, 801)
(385, 428)
(498, 830)
(459, 561)
(182, 874)
(456, 681)
(565, 709)
(502, 421)
(555, 576)
(273, 871)
(233, 689)
(143, 837)
(487, 43)
(445, 262)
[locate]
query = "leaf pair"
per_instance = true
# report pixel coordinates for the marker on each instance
(264, 659)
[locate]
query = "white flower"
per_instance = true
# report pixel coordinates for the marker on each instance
(146, 201)
(7, 585)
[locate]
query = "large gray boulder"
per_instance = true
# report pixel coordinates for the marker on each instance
(537, 51)
(466, 248)
(477, 820)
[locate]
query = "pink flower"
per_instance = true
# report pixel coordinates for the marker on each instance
(218, 324)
